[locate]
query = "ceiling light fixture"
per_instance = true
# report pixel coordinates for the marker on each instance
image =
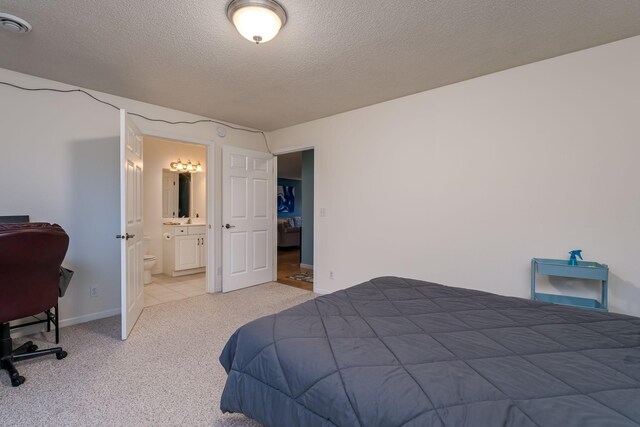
(14, 24)
(257, 20)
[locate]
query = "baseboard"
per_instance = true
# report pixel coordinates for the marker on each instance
(307, 266)
(33, 329)
(89, 317)
(180, 273)
(320, 291)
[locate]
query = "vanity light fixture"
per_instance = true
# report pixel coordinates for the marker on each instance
(186, 167)
(257, 20)
(179, 166)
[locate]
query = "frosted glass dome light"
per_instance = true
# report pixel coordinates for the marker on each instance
(257, 20)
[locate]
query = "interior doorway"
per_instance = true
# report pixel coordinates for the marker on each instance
(295, 222)
(175, 220)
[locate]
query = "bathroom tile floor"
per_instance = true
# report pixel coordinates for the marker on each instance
(166, 288)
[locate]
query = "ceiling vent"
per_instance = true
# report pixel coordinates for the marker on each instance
(14, 24)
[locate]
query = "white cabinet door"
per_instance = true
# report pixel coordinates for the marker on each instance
(187, 252)
(203, 251)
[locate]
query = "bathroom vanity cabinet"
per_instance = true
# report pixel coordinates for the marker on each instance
(185, 252)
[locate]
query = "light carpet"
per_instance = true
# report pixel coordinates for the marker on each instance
(166, 374)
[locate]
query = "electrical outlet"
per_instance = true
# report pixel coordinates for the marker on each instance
(93, 292)
(331, 275)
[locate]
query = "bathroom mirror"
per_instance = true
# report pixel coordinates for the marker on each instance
(176, 194)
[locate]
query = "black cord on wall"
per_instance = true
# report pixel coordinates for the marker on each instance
(266, 143)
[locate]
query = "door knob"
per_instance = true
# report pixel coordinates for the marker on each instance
(228, 226)
(127, 236)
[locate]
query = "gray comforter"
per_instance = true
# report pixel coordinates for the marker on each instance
(401, 352)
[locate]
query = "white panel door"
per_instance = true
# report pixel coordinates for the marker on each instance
(132, 253)
(169, 194)
(247, 217)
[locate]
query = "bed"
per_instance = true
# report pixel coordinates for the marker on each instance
(403, 352)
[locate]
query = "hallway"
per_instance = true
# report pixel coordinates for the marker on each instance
(289, 265)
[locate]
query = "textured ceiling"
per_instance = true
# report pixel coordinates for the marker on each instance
(332, 56)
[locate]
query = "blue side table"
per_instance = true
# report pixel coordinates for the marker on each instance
(561, 268)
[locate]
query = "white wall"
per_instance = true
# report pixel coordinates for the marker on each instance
(460, 185)
(464, 184)
(60, 157)
(158, 154)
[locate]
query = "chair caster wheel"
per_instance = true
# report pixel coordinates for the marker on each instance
(32, 348)
(16, 381)
(61, 355)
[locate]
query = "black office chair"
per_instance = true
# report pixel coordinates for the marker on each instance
(31, 255)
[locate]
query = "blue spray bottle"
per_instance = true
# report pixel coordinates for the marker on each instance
(575, 253)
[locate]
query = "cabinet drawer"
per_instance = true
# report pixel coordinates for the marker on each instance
(179, 231)
(198, 229)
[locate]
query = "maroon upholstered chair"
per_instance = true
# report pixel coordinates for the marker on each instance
(30, 258)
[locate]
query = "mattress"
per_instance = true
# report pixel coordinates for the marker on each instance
(403, 352)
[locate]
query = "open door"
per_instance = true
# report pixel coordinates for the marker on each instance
(248, 212)
(132, 253)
